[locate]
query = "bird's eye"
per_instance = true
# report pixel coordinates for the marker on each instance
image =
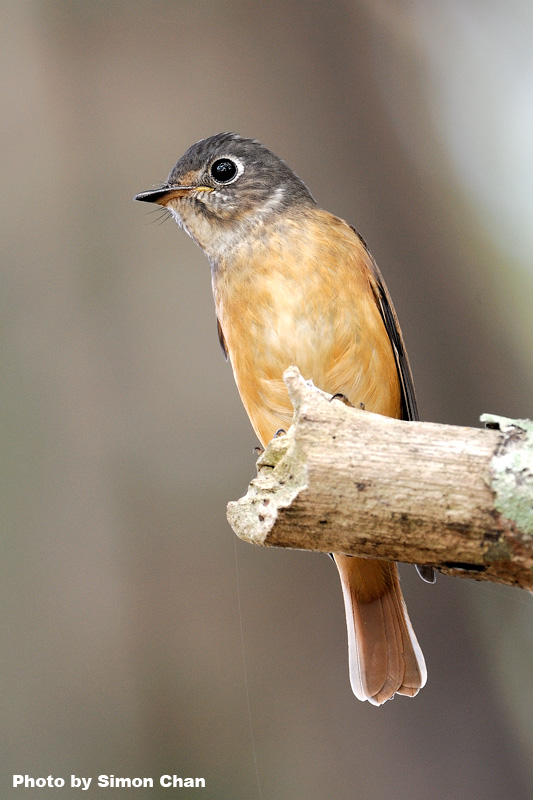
(223, 170)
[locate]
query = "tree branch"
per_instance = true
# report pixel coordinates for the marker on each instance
(345, 480)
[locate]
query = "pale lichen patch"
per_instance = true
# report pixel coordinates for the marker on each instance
(281, 476)
(512, 470)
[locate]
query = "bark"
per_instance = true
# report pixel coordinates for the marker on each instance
(345, 480)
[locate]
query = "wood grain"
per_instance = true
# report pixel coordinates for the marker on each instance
(346, 480)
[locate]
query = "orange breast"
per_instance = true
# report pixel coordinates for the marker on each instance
(300, 292)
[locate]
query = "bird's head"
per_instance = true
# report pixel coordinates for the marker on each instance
(225, 186)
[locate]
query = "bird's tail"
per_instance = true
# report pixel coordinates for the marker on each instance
(385, 657)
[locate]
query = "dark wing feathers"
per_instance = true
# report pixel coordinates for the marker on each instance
(388, 314)
(392, 326)
(222, 340)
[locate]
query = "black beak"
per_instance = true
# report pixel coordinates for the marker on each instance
(162, 195)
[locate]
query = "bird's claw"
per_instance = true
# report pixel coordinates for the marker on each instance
(342, 397)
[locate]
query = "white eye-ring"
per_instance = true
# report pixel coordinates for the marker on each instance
(226, 170)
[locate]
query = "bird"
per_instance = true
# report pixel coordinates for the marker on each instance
(296, 285)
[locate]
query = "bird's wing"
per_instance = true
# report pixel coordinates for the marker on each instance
(392, 326)
(221, 339)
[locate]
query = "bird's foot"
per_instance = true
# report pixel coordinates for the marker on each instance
(343, 399)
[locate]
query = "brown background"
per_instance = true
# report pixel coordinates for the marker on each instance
(123, 433)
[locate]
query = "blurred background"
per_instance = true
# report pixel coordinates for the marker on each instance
(124, 436)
